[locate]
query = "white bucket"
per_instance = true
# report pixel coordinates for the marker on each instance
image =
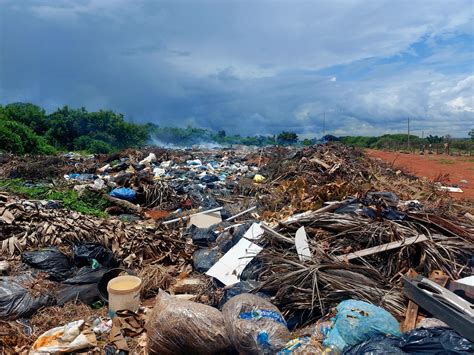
(124, 293)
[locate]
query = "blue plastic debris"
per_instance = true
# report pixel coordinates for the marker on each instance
(80, 177)
(357, 321)
(124, 193)
(257, 314)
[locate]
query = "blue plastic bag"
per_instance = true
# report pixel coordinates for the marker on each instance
(124, 193)
(357, 321)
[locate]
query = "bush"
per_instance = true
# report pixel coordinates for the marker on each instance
(29, 140)
(92, 145)
(9, 141)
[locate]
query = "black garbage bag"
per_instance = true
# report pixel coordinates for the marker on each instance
(16, 301)
(230, 237)
(83, 286)
(201, 236)
(203, 259)
(51, 261)
(417, 341)
(84, 253)
(208, 178)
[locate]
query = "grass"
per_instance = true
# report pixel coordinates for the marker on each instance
(88, 203)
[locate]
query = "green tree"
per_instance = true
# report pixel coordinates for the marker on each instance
(9, 141)
(287, 137)
(26, 113)
(471, 134)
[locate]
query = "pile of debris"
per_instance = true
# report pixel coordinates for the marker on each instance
(273, 251)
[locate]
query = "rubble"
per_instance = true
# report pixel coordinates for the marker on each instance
(304, 230)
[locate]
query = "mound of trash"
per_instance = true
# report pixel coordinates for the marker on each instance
(273, 250)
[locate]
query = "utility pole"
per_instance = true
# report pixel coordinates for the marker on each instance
(324, 123)
(408, 133)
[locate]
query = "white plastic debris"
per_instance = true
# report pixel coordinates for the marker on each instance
(149, 159)
(229, 268)
(159, 172)
(104, 326)
(451, 189)
(104, 168)
(68, 338)
(196, 162)
(165, 164)
(302, 246)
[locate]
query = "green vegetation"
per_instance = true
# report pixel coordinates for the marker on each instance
(400, 142)
(26, 128)
(87, 203)
(387, 141)
(190, 136)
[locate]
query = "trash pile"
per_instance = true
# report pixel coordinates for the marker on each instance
(272, 251)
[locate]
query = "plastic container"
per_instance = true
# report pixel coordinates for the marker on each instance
(124, 293)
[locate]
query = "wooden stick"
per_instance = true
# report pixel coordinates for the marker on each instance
(241, 213)
(412, 309)
(276, 234)
(383, 247)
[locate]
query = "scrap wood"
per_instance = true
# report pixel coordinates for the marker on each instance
(126, 205)
(412, 309)
(320, 162)
(411, 319)
(441, 224)
(382, 248)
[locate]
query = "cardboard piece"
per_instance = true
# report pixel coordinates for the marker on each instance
(205, 220)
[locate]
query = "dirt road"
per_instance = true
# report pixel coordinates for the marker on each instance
(434, 166)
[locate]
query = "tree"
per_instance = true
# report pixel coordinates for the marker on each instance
(26, 113)
(287, 137)
(330, 138)
(471, 134)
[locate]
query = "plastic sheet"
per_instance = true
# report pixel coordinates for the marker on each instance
(184, 327)
(203, 259)
(417, 341)
(16, 301)
(357, 321)
(124, 193)
(255, 326)
(68, 338)
(83, 286)
(51, 261)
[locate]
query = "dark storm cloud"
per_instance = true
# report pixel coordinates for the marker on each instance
(247, 67)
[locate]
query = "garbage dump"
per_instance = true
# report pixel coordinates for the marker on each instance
(273, 250)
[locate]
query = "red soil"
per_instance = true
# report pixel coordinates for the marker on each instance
(433, 166)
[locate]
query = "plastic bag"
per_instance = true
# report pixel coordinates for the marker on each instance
(68, 338)
(124, 193)
(255, 326)
(15, 299)
(357, 321)
(203, 259)
(83, 286)
(183, 327)
(84, 253)
(420, 341)
(57, 265)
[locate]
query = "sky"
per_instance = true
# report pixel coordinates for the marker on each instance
(342, 67)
